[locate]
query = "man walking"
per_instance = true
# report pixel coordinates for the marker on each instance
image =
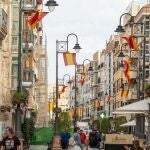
(94, 140)
(10, 142)
(65, 136)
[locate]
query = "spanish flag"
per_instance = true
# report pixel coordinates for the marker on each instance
(36, 18)
(127, 70)
(108, 98)
(98, 105)
(69, 58)
(131, 40)
(83, 77)
(62, 91)
(124, 93)
(51, 106)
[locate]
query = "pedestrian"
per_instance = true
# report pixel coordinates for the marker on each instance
(87, 139)
(145, 147)
(78, 145)
(136, 145)
(10, 142)
(65, 136)
(126, 147)
(83, 138)
(94, 140)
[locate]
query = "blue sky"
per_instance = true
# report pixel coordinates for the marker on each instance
(92, 20)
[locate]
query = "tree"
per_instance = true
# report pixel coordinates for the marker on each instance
(28, 128)
(96, 124)
(105, 125)
(65, 121)
(118, 121)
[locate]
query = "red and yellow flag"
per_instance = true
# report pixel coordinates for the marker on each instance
(127, 70)
(108, 98)
(98, 105)
(124, 93)
(131, 40)
(83, 78)
(69, 58)
(36, 18)
(62, 91)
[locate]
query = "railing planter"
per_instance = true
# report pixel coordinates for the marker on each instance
(147, 90)
(19, 98)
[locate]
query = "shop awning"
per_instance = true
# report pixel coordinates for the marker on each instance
(131, 123)
(139, 107)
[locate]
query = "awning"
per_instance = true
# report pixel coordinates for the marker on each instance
(131, 123)
(139, 107)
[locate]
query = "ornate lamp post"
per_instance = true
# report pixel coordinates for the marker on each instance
(61, 47)
(75, 88)
(50, 3)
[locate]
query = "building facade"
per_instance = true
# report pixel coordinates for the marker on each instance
(5, 65)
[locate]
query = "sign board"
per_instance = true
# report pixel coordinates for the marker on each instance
(119, 139)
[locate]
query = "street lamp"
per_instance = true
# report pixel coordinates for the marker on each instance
(75, 88)
(61, 47)
(120, 28)
(20, 52)
(51, 5)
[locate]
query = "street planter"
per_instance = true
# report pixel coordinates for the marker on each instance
(19, 98)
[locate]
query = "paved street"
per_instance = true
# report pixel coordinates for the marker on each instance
(38, 147)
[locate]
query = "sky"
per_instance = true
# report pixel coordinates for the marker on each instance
(93, 21)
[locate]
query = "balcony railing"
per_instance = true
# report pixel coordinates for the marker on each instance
(3, 24)
(28, 77)
(28, 41)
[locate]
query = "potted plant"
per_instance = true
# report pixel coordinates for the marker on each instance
(147, 90)
(19, 98)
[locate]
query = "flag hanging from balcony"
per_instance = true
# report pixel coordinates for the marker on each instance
(69, 58)
(36, 18)
(131, 40)
(62, 91)
(127, 70)
(98, 105)
(83, 77)
(108, 98)
(124, 93)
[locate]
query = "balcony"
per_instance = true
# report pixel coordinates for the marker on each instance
(3, 24)
(29, 5)
(28, 78)
(28, 41)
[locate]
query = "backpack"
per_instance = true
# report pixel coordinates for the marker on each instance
(93, 139)
(83, 138)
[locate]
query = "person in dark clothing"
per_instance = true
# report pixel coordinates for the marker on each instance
(136, 145)
(10, 142)
(94, 139)
(65, 136)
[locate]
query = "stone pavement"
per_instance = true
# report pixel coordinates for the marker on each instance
(38, 147)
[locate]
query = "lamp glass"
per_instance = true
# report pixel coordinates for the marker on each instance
(90, 68)
(51, 8)
(77, 47)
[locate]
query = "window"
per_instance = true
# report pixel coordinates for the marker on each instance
(146, 73)
(14, 40)
(14, 72)
(15, 27)
(147, 24)
(15, 13)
